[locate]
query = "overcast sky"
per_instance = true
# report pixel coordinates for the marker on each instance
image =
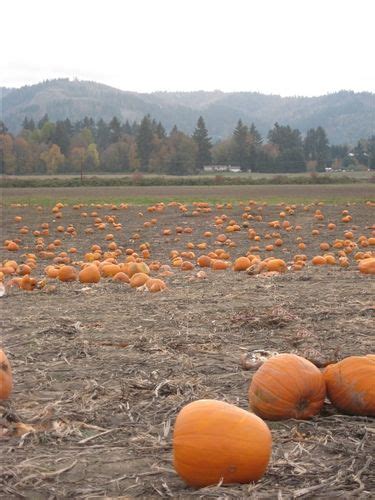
(287, 47)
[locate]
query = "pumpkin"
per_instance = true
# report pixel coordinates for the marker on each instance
(67, 273)
(89, 274)
(215, 441)
(12, 246)
(121, 277)
(138, 279)
(367, 266)
(109, 269)
(219, 265)
(27, 283)
(277, 265)
(318, 260)
(187, 266)
(241, 264)
(351, 385)
(155, 285)
(287, 386)
(6, 379)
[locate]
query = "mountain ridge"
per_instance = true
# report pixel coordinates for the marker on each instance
(347, 116)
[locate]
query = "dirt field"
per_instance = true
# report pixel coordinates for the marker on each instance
(101, 370)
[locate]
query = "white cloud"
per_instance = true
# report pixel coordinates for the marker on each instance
(289, 47)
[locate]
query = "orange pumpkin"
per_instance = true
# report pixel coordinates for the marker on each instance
(121, 277)
(138, 279)
(367, 266)
(155, 285)
(6, 379)
(287, 386)
(67, 273)
(351, 385)
(277, 265)
(219, 265)
(187, 266)
(27, 283)
(109, 269)
(318, 260)
(241, 264)
(89, 274)
(215, 441)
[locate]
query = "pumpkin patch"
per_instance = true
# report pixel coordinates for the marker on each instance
(187, 332)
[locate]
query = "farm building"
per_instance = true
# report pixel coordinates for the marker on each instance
(222, 168)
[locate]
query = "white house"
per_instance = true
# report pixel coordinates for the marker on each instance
(222, 168)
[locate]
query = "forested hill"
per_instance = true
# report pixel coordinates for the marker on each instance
(346, 116)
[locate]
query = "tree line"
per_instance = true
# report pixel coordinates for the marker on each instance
(48, 147)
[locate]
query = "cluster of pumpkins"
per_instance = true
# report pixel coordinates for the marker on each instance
(217, 442)
(121, 264)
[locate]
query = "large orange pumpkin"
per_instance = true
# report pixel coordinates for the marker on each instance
(287, 386)
(6, 379)
(215, 441)
(351, 385)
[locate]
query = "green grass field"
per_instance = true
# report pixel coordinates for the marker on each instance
(144, 195)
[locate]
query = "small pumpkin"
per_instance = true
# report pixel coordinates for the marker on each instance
(215, 441)
(351, 385)
(6, 379)
(287, 386)
(28, 283)
(155, 285)
(367, 266)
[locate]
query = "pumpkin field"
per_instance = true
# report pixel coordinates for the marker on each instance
(116, 315)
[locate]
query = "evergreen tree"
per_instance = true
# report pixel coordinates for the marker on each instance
(28, 124)
(135, 128)
(61, 136)
(204, 146)
(102, 135)
(126, 128)
(114, 130)
(144, 142)
(3, 128)
(285, 138)
(371, 152)
(43, 121)
(160, 131)
(290, 148)
(240, 145)
(316, 146)
(255, 142)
